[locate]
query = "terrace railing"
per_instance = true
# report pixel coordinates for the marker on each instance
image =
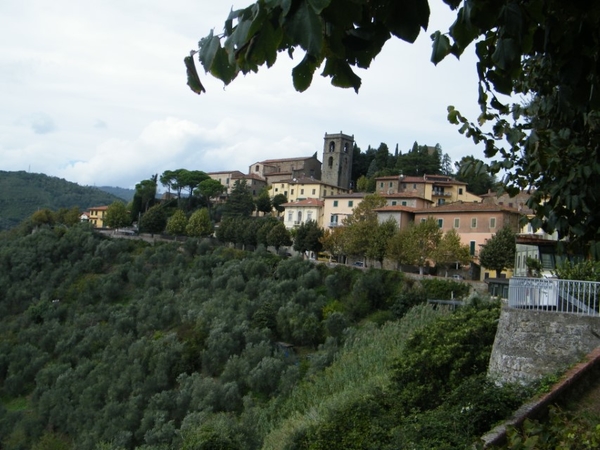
(566, 296)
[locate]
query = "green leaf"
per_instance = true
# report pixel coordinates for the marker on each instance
(221, 69)
(208, 48)
(263, 47)
(285, 5)
(319, 5)
(406, 18)
(462, 31)
(193, 80)
(306, 29)
(341, 74)
(502, 81)
(302, 74)
(441, 47)
(506, 54)
(453, 115)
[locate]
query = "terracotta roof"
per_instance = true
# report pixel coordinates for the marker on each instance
(467, 207)
(396, 208)
(308, 181)
(348, 195)
(226, 172)
(432, 179)
(404, 195)
(280, 160)
(252, 176)
(305, 202)
(98, 208)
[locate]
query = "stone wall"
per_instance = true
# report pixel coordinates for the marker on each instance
(531, 344)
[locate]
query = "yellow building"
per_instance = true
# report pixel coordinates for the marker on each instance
(439, 189)
(96, 216)
(303, 188)
(336, 208)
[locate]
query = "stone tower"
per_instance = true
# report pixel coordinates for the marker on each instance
(337, 160)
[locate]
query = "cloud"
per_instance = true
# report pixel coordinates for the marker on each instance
(101, 124)
(41, 123)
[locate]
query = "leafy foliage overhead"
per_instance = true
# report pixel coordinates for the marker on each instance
(335, 33)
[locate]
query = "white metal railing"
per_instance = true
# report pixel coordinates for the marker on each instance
(567, 296)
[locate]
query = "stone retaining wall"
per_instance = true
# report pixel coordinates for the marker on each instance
(531, 344)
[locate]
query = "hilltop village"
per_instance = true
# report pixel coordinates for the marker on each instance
(324, 193)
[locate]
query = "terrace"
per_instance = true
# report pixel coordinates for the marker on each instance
(564, 296)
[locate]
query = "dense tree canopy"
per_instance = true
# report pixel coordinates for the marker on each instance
(545, 50)
(498, 253)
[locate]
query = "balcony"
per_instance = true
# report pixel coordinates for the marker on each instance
(441, 194)
(564, 296)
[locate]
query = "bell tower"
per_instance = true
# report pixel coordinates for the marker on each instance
(337, 159)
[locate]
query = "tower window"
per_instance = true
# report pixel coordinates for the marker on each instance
(332, 146)
(330, 161)
(345, 147)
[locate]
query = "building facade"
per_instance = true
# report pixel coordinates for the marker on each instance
(301, 211)
(440, 189)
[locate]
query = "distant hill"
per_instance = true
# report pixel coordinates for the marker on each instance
(122, 193)
(23, 193)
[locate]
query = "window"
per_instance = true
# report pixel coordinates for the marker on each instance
(301, 191)
(290, 216)
(474, 222)
(492, 222)
(381, 184)
(335, 203)
(391, 183)
(460, 191)
(331, 146)
(276, 189)
(309, 215)
(227, 181)
(299, 216)
(345, 147)
(257, 168)
(330, 162)
(440, 223)
(350, 203)
(393, 202)
(313, 191)
(423, 220)
(403, 185)
(292, 192)
(472, 248)
(457, 223)
(404, 203)
(414, 185)
(253, 191)
(334, 219)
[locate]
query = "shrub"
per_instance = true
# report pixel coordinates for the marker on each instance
(440, 356)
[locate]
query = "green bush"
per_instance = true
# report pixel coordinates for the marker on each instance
(440, 356)
(440, 289)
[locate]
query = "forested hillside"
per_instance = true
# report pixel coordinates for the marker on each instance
(122, 193)
(117, 344)
(23, 193)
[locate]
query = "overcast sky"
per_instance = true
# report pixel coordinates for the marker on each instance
(95, 92)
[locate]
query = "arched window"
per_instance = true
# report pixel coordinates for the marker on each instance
(299, 216)
(346, 147)
(331, 146)
(330, 162)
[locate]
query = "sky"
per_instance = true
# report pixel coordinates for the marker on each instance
(95, 92)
